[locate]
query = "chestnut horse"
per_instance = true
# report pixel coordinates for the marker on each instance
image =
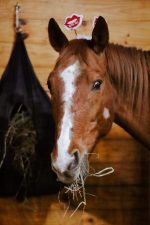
(93, 84)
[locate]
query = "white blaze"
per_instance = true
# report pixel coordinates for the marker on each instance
(69, 76)
(106, 113)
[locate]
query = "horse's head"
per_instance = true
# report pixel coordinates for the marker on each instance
(81, 98)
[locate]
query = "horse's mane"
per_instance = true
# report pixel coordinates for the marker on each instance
(129, 71)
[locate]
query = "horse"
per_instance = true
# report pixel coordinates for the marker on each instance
(93, 84)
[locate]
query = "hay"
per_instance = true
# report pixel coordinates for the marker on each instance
(20, 139)
(78, 191)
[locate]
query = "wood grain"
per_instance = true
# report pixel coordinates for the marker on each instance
(47, 210)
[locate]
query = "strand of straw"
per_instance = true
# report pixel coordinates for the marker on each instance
(79, 186)
(103, 172)
(5, 146)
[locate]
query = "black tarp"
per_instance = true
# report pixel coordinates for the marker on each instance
(19, 85)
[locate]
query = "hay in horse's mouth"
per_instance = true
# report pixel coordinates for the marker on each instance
(78, 190)
(21, 139)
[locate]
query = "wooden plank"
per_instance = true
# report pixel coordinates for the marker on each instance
(117, 217)
(125, 174)
(41, 55)
(37, 30)
(115, 150)
(43, 9)
(128, 158)
(47, 210)
(113, 197)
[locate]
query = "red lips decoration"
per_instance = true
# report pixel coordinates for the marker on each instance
(73, 21)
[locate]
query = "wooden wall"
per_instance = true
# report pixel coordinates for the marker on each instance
(124, 197)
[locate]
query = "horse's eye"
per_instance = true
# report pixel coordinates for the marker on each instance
(96, 84)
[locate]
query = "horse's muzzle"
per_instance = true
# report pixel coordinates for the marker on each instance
(75, 168)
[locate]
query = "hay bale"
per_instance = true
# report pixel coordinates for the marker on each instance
(21, 139)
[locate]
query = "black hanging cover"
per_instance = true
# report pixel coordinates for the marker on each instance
(19, 85)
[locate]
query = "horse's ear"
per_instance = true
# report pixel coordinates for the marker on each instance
(57, 38)
(100, 35)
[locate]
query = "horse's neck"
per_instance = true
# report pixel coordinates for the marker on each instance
(129, 72)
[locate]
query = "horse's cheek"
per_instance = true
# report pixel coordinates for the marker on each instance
(105, 126)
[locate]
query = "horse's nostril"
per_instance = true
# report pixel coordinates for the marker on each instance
(75, 160)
